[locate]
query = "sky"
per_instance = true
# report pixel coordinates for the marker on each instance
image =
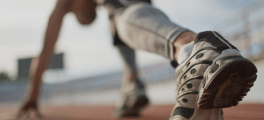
(88, 49)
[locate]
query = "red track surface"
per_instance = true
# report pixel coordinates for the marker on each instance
(154, 112)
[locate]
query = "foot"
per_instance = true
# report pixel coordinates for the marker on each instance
(226, 75)
(188, 82)
(228, 78)
(214, 76)
(133, 100)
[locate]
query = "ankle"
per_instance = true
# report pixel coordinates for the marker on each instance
(183, 39)
(130, 77)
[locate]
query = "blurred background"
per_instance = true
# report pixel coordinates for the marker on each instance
(86, 67)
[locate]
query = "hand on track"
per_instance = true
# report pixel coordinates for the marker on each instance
(29, 109)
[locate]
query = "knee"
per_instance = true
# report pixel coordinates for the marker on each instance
(131, 14)
(137, 10)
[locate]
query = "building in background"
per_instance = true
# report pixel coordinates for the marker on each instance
(56, 65)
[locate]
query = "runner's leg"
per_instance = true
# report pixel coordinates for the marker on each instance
(142, 26)
(133, 95)
(130, 72)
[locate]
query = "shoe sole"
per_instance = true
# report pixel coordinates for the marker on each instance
(141, 102)
(134, 111)
(226, 82)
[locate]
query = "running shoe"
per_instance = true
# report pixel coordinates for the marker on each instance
(133, 100)
(189, 76)
(228, 78)
(214, 76)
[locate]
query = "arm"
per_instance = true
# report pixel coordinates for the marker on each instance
(40, 63)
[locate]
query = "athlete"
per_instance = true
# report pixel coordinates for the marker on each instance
(85, 13)
(211, 73)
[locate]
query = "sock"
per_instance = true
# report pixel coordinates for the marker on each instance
(184, 52)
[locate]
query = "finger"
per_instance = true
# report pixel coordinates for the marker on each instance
(27, 114)
(23, 114)
(20, 113)
(37, 113)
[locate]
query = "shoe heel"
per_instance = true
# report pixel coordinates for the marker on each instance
(226, 81)
(141, 102)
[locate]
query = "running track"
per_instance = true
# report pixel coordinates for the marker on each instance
(155, 112)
